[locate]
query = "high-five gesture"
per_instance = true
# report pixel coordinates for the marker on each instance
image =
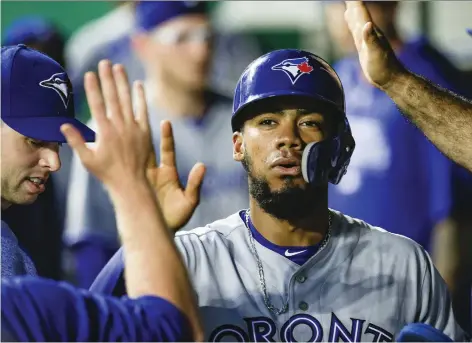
(377, 59)
(120, 160)
(123, 139)
(177, 203)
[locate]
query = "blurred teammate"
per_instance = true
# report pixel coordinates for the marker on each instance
(442, 116)
(164, 308)
(86, 45)
(36, 100)
(289, 268)
(173, 39)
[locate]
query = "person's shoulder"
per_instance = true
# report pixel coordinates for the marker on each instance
(87, 33)
(5, 226)
(378, 238)
(43, 289)
(219, 229)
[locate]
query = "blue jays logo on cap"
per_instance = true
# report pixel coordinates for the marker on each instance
(294, 68)
(61, 85)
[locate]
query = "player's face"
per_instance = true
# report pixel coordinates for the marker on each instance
(271, 147)
(274, 143)
(26, 165)
(180, 51)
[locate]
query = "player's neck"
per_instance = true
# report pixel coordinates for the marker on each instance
(304, 232)
(178, 102)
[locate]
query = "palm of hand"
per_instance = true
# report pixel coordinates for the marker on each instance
(177, 208)
(177, 203)
(377, 59)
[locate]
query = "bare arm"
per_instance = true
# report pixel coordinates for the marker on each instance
(444, 117)
(153, 265)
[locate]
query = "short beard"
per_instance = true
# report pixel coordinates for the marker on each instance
(291, 203)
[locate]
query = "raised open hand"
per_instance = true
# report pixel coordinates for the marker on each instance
(377, 59)
(123, 144)
(177, 203)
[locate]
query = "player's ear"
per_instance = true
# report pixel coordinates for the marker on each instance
(238, 146)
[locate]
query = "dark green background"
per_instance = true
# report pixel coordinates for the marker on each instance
(70, 15)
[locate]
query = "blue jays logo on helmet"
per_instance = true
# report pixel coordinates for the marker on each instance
(61, 85)
(294, 68)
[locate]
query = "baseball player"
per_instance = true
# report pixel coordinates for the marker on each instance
(289, 268)
(36, 309)
(36, 100)
(174, 42)
(426, 105)
(46, 214)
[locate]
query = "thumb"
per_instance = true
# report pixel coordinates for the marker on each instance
(194, 182)
(76, 142)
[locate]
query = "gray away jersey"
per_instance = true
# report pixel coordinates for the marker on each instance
(90, 213)
(365, 285)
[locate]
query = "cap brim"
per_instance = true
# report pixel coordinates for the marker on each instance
(48, 128)
(469, 31)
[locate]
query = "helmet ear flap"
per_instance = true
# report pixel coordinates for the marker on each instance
(314, 161)
(341, 154)
(327, 161)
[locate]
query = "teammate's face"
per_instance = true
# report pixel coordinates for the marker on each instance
(180, 51)
(271, 147)
(26, 165)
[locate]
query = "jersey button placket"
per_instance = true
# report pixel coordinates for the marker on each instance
(303, 306)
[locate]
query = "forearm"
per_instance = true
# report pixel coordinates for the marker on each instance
(445, 118)
(153, 266)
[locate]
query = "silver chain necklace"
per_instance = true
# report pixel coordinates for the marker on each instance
(262, 281)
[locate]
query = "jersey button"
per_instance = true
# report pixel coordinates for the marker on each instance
(303, 306)
(301, 278)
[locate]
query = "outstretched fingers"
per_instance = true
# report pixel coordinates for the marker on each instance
(76, 142)
(142, 114)
(123, 92)
(357, 16)
(167, 145)
(110, 93)
(194, 183)
(95, 99)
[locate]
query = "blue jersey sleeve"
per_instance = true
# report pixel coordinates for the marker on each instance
(35, 309)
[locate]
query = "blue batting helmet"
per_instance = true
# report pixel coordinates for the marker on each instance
(309, 79)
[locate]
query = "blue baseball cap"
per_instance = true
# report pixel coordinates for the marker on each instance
(150, 14)
(37, 95)
(469, 31)
(27, 29)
